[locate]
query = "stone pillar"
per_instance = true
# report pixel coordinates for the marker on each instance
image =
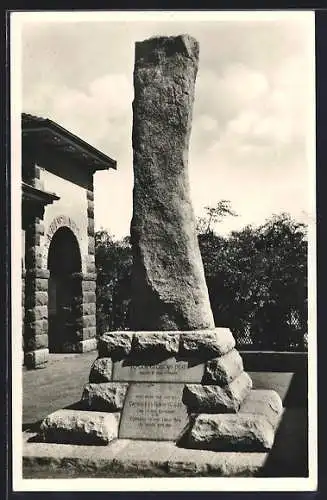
(87, 336)
(23, 311)
(90, 262)
(36, 296)
(88, 341)
(169, 291)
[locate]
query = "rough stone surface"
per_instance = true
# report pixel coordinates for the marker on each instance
(108, 396)
(215, 399)
(207, 344)
(37, 358)
(37, 342)
(123, 458)
(208, 398)
(115, 345)
(155, 344)
(240, 388)
(169, 291)
(87, 345)
(223, 370)
(222, 432)
(101, 371)
(80, 427)
(264, 402)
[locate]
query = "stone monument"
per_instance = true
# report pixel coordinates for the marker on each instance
(174, 376)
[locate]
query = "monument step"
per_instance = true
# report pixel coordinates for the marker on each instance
(133, 458)
(136, 458)
(253, 428)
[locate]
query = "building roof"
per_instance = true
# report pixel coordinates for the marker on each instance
(30, 193)
(50, 134)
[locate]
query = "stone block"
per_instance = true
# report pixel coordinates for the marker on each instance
(35, 239)
(88, 309)
(241, 432)
(86, 321)
(90, 230)
(223, 370)
(38, 273)
(37, 358)
(216, 399)
(41, 298)
(208, 399)
(36, 298)
(90, 209)
(264, 402)
(90, 266)
(38, 327)
(88, 286)
(86, 345)
(89, 276)
(115, 345)
(39, 228)
(240, 388)
(91, 246)
(36, 342)
(106, 396)
(41, 285)
(88, 333)
(154, 345)
(33, 255)
(37, 313)
(101, 371)
(80, 427)
(206, 344)
(90, 195)
(89, 297)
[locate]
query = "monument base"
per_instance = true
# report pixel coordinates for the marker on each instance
(186, 387)
(123, 458)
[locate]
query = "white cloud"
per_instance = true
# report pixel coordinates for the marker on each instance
(250, 111)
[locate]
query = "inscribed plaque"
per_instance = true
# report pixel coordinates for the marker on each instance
(169, 370)
(153, 411)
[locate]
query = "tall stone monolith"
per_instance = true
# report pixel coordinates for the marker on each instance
(169, 291)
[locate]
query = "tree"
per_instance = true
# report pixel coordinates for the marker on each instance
(113, 262)
(257, 281)
(213, 215)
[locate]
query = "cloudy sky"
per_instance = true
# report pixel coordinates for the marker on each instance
(252, 113)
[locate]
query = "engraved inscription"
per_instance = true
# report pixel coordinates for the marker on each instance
(169, 370)
(153, 412)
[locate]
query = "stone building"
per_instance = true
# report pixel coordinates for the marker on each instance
(58, 264)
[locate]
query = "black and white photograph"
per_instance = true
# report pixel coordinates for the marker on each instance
(163, 215)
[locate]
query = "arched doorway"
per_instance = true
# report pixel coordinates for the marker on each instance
(64, 292)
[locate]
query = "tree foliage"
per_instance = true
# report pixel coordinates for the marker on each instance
(257, 282)
(213, 215)
(113, 262)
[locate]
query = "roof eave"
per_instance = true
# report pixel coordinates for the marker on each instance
(104, 162)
